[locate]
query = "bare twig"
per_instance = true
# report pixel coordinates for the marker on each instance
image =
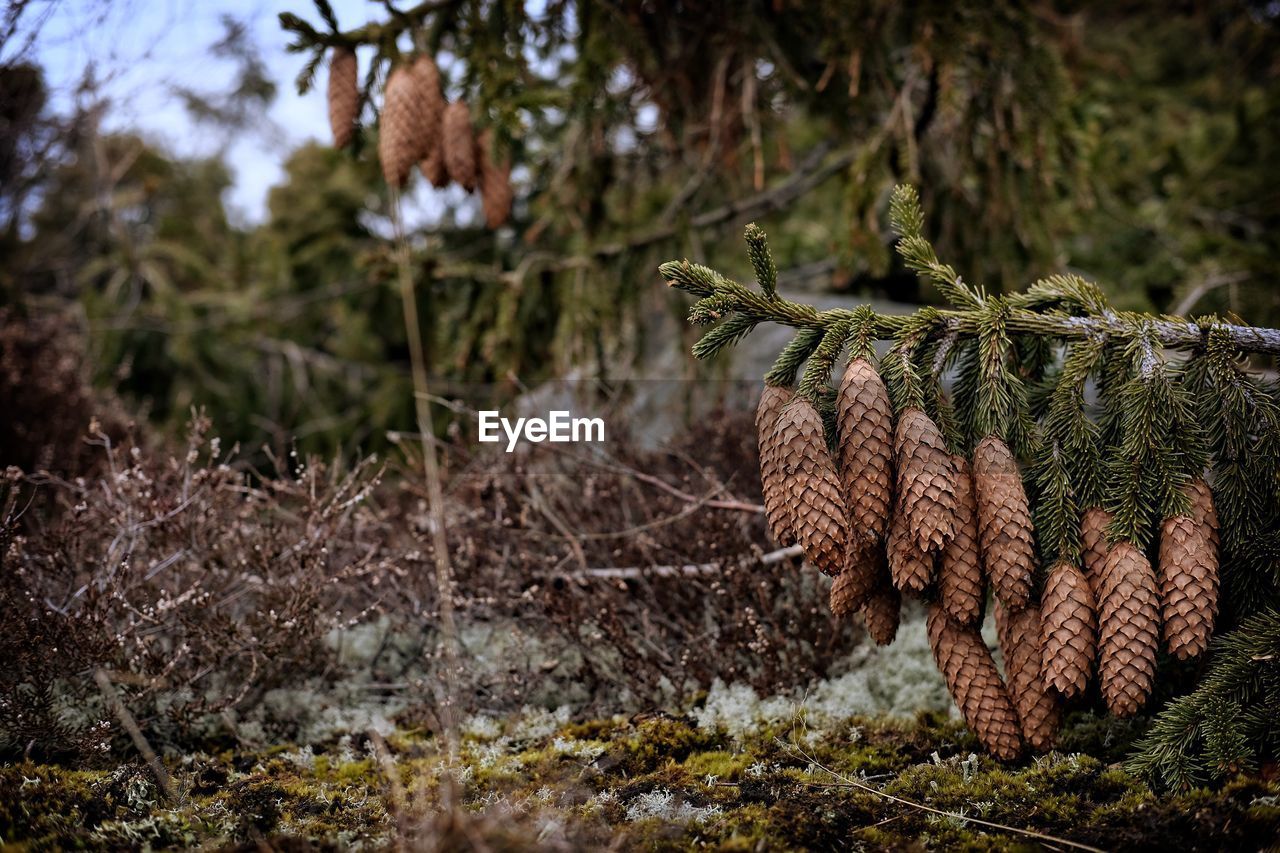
(687, 570)
(431, 471)
(135, 734)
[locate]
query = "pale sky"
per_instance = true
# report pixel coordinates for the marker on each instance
(141, 48)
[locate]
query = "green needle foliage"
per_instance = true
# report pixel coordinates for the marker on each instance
(1106, 408)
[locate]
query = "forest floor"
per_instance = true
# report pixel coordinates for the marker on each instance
(651, 781)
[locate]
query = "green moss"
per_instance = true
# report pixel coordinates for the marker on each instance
(657, 741)
(763, 791)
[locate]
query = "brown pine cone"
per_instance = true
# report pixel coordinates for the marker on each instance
(1202, 508)
(1038, 708)
(1004, 522)
(910, 568)
(430, 106)
(926, 480)
(399, 129)
(495, 182)
(1128, 629)
(865, 419)
(960, 584)
(974, 682)
(853, 587)
(882, 613)
(1070, 628)
(1188, 585)
(813, 487)
(432, 166)
(1094, 546)
(459, 143)
(777, 507)
(344, 96)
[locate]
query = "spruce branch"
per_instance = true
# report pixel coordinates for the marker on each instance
(727, 334)
(1171, 333)
(762, 261)
(823, 360)
(1208, 734)
(907, 219)
(793, 355)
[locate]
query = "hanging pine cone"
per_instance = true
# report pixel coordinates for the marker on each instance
(432, 165)
(399, 129)
(1188, 585)
(1094, 546)
(1070, 628)
(459, 143)
(1128, 629)
(1004, 522)
(974, 683)
(495, 182)
(865, 419)
(910, 568)
(1038, 709)
(813, 487)
(344, 96)
(430, 105)
(1202, 508)
(883, 609)
(777, 506)
(853, 587)
(926, 480)
(960, 585)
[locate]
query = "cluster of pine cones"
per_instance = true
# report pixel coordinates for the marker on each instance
(419, 126)
(897, 513)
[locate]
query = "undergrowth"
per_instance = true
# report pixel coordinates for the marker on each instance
(651, 782)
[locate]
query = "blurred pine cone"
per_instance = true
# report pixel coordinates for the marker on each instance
(974, 682)
(430, 106)
(813, 487)
(777, 506)
(432, 167)
(1128, 629)
(344, 96)
(495, 182)
(1004, 522)
(926, 480)
(960, 584)
(1070, 628)
(459, 143)
(1038, 708)
(399, 129)
(865, 419)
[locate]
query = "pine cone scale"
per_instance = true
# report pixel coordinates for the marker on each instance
(926, 480)
(1128, 629)
(960, 582)
(865, 419)
(813, 487)
(975, 684)
(1004, 522)
(1070, 629)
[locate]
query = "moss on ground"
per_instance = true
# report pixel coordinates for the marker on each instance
(660, 783)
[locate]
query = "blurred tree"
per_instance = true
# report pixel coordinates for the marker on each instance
(1129, 142)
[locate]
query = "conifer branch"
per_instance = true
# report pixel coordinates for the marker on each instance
(1171, 332)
